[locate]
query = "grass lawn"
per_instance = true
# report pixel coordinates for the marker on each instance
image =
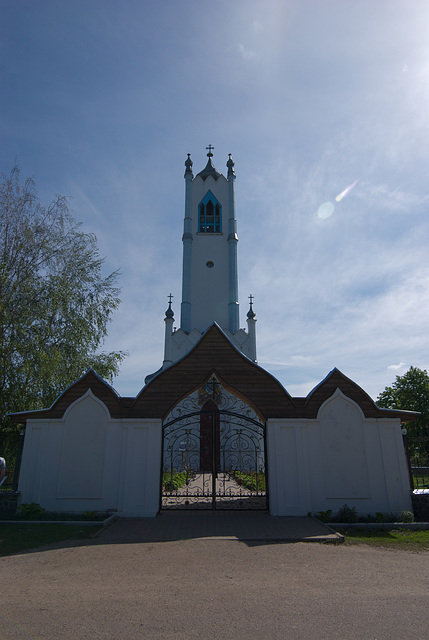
(15, 538)
(395, 539)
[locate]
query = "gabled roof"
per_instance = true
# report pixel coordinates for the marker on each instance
(337, 380)
(89, 380)
(214, 353)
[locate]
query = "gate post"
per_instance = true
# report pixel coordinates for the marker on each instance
(214, 459)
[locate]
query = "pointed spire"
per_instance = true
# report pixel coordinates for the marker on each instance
(209, 169)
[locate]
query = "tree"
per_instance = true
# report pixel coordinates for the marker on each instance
(411, 392)
(55, 302)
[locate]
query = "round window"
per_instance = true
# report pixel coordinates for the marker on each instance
(210, 264)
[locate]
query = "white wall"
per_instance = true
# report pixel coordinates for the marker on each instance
(88, 461)
(339, 458)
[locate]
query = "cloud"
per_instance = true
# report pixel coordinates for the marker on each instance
(397, 367)
(247, 54)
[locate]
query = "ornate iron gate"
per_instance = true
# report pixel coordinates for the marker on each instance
(214, 459)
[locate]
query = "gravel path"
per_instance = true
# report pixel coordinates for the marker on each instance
(214, 589)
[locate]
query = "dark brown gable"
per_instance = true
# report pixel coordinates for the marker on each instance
(214, 353)
(337, 380)
(90, 380)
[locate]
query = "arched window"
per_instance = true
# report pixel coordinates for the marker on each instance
(210, 215)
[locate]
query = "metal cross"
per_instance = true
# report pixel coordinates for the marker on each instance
(213, 382)
(170, 297)
(251, 299)
(210, 149)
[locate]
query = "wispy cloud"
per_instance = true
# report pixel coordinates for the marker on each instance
(246, 54)
(305, 108)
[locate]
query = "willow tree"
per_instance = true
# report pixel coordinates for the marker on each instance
(55, 301)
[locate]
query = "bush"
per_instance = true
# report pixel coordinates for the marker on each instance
(324, 516)
(172, 482)
(346, 514)
(31, 511)
(407, 516)
(252, 481)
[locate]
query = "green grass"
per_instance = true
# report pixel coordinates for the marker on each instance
(421, 482)
(175, 480)
(252, 481)
(15, 538)
(412, 540)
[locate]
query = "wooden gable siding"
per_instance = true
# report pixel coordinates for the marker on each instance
(91, 381)
(337, 380)
(214, 353)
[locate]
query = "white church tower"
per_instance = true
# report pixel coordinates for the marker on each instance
(210, 269)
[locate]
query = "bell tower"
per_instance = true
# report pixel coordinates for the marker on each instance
(210, 274)
(210, 266)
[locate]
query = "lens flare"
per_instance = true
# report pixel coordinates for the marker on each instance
(346, 191)
(325, 210)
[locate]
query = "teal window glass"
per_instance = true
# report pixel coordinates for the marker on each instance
(209, 215)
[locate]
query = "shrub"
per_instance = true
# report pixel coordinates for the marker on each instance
(346, 514)
(172, 482)
(31, 511)
(254, 481)
(324, 516)
(407, 516)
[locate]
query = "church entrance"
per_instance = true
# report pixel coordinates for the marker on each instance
(214, 459)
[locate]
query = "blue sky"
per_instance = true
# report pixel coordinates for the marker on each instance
(101, 101)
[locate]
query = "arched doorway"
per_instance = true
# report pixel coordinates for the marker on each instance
(213, 456)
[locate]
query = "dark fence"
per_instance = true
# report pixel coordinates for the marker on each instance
(419, 461)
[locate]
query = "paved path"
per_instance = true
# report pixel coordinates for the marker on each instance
(212, 588)
(198, 494)
(247, 526)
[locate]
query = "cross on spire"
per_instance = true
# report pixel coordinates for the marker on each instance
(210, 149)
(251, 300)
(170, 298)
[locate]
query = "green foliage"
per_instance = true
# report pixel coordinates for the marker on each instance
(31, 511)
(253, 481)
(411, 392)
(406, 516)
(175, 480)
(55, 303)
(346, 514)
(324, 516)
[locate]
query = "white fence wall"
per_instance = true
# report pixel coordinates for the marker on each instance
(88, 461)
(339, 458)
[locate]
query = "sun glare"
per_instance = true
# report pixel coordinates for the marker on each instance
(346, 191)
(325, 210)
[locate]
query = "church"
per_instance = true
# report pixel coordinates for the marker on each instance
(211, 429)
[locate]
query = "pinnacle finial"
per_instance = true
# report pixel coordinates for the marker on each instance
(188, 165)
(251, 314)
(169, 313)
(210, 149)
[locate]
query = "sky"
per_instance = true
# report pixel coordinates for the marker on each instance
(324, 106)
